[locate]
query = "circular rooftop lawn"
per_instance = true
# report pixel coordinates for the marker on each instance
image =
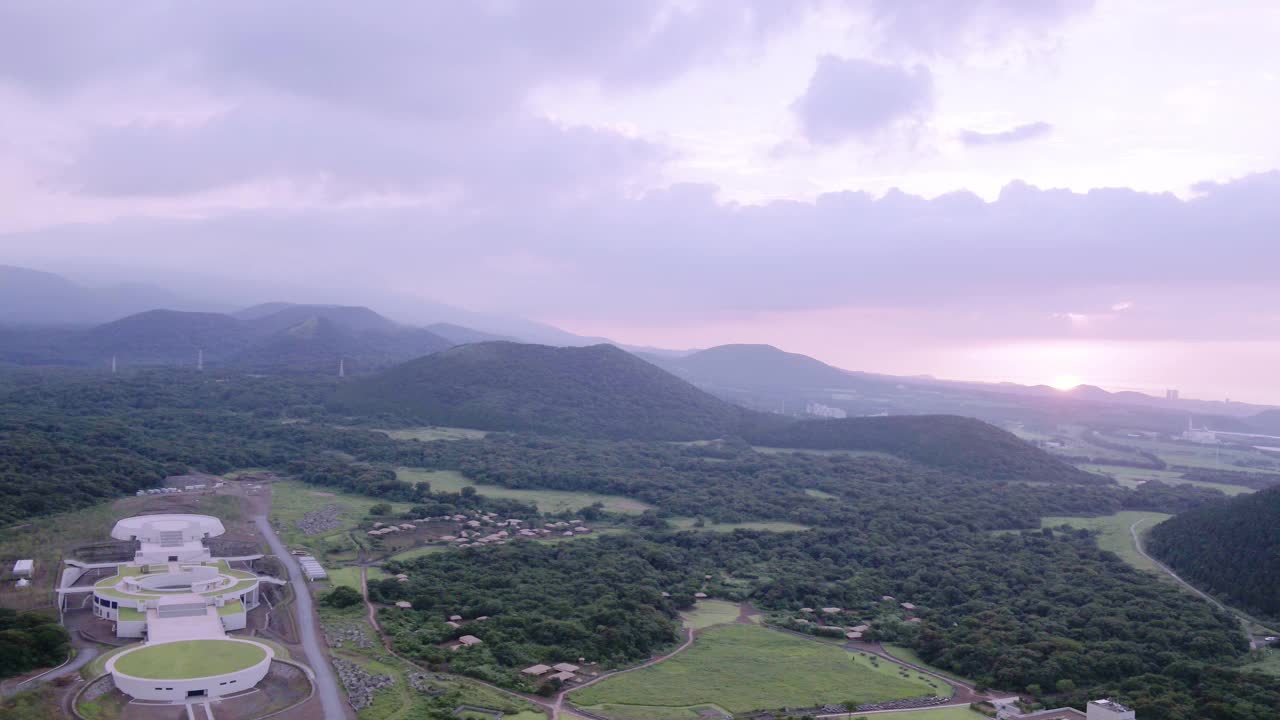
(188, 659)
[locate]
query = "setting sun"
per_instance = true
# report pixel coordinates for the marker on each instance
(1065, 382)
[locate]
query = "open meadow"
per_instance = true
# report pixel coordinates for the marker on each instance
(1113, 533)
(710, 612)
(1132, 477)
(547, 501)
(292, 500)
(747, 667)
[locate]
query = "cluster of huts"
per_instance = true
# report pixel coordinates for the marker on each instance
(564, 672)
(854, 632)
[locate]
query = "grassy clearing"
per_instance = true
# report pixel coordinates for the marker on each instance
(1133, 477)
(906, 653)
(547, 501)
(651, 712)
(1114, 533)
(1206, 456)
(806, 451)
(419, 552)
(291, 500)
(430, 434)
(820, 494)
(747, 667)
(350, 576)
(685, 523)
(710, 612)
(190, 659)
(1268, 663)
(949, 713)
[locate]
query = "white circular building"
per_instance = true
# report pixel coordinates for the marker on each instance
(169, 538)
(181, 669)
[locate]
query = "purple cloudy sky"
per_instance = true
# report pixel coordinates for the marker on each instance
(986, 189)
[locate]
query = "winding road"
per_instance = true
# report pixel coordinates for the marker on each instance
(326, 683)
(1245, 621)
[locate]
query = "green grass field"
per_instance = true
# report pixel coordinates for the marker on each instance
(350, 576)
(1133, 477)
(419, 552)
(1269, 664)
(548, 501)
(948, 713)
(190, 659)
(429, 434)
(820, 494)
(747, 667)
(291, 500)
(710, 612)
(687, 523)
(650, 712)
(906, 653)
(1114, 533)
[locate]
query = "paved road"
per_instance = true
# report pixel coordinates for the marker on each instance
(326, 683)
(1244, 621)
(85, 652)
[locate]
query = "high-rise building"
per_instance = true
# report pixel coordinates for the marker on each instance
(1170, 394)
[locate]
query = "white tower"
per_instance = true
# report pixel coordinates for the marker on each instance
(200, 359)
(113, 364)
(342, 368)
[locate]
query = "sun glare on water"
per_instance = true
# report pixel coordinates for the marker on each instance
(1065, 382)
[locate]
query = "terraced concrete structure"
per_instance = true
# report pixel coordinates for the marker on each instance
(147, 599)
(182, 602)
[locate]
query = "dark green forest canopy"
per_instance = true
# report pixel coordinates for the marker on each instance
(1231, 548)
(1039, 608)
(730, 482)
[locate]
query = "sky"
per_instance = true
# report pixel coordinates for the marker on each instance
(1025, 190)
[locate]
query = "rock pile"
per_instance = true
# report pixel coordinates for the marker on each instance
(336, 635)
(907, 704)
(321, 521)
(422, 683)
(360, 684)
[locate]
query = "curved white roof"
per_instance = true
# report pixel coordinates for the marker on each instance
(148, 528)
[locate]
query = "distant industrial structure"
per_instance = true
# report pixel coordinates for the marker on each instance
(1171, 394)
(1204, 436)
(825, 411)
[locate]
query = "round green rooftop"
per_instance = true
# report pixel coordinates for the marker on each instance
(187, 659)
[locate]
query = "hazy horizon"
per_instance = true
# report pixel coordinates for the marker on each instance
(1035, 192)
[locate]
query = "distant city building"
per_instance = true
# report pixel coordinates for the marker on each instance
(1170, 394)
(825, 411)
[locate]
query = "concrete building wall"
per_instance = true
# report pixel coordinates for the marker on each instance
(178, 690)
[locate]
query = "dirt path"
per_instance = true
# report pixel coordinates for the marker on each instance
(689, 636)
(1245, 620)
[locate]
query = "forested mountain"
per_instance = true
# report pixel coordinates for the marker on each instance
(755, 366)
(276, 336)
(953, 443)
(597, 391)
(1267, 421)
(1231, 548)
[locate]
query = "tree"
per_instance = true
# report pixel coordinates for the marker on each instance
(342, 597)
(380, 509)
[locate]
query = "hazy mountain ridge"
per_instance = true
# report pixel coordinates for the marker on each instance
(36, 298)
(287, 337)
